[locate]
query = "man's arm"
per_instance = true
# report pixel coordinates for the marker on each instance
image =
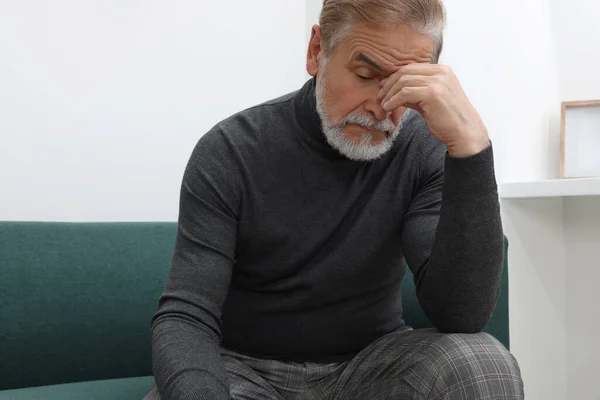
(453, 242)
(186, 328)
(457, 265)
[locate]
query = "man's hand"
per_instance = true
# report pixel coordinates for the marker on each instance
(435, 92)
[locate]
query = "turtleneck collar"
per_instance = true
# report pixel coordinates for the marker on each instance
(305, 103)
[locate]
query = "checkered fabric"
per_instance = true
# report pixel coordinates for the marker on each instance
(407, 365)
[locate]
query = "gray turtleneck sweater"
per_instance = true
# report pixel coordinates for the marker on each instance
(287, 250)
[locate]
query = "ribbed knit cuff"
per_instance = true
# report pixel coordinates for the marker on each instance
(470, 177)
(203, 396)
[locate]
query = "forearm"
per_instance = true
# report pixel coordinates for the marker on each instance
(186, 359)
(186, 328)
(186, 332)
(459, 285)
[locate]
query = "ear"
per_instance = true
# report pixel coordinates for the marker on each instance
(314, 49)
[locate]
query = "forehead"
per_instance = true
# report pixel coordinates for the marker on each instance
(390, 48)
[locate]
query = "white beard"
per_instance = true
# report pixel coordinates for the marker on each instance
(334, 133)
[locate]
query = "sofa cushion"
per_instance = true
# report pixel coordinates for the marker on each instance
(114, 389)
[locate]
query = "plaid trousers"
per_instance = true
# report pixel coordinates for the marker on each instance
(406, 365)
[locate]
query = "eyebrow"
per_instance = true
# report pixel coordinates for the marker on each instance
(365, 59)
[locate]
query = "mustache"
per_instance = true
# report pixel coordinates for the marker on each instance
(369, 122)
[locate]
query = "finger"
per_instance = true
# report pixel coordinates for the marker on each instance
(411, 69)
(387, 84)
(424, 69)
(402, 82)
(410, 97)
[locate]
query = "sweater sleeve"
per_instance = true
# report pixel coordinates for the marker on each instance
(453, 242)
(186, 328)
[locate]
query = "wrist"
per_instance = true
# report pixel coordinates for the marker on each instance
(469, 145)
(469, 177)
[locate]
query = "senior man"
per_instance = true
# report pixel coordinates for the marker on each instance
(298, 218)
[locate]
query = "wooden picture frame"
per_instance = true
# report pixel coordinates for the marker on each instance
(580, 139)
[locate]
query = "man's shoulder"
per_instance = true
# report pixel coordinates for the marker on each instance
(259, 116)
(249, 125)
(244, 134)
(265, 111)
(282, 100)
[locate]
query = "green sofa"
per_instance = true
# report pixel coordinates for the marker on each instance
(76, 301)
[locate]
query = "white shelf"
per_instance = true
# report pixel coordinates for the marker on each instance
(551, 188)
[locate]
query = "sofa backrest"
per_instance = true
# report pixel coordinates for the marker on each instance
(76, 300)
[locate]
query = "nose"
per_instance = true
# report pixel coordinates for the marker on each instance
(373, 106)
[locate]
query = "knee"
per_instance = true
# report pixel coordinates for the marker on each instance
(475, 359)
(481, 351)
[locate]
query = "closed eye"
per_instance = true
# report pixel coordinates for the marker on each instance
(364, 78)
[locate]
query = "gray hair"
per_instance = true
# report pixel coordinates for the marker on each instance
(338, 17)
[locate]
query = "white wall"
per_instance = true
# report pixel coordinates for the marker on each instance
(576, 33)
(582, 235)
(103, 101)
(313, 9)
(537, 294)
